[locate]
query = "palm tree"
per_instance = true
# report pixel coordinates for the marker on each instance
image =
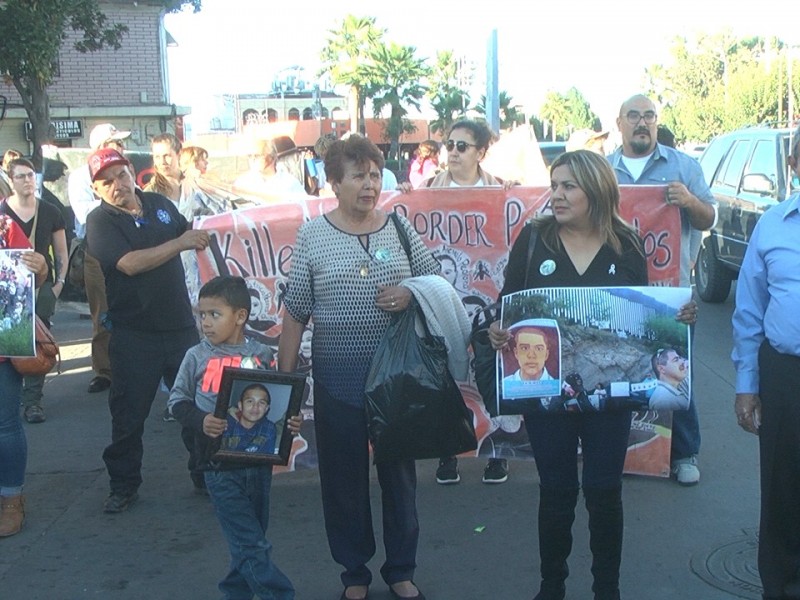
(395, 74)
(509, 115)
(446, 83)
(449, 106)
(343, 58)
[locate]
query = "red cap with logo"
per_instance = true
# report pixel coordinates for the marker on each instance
(103, 158)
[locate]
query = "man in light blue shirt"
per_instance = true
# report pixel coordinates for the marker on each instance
(643, 161)
(766, 354)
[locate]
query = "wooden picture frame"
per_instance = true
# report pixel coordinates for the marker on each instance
(253, 436)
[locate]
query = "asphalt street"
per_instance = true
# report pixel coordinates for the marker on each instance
(478, 542)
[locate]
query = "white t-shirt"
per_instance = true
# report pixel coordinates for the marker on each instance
(635, 166)
(479, 183)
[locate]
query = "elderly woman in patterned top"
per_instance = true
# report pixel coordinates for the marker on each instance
(346, 270)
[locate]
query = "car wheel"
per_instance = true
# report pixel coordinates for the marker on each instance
(712, 278)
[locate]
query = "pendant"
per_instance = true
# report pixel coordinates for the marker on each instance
(548, 267)
(364, 269)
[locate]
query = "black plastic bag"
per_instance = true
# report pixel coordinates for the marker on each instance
(484, 362)
(414, 406)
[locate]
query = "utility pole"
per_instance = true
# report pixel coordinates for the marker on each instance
(492, 92)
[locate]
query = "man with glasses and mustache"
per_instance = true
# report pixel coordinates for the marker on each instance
(672, 372)
(641, 160)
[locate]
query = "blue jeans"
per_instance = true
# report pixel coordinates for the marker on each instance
(686, 425)
(13, 444)
(241, 502)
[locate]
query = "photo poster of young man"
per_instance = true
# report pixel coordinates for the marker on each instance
(594, 349)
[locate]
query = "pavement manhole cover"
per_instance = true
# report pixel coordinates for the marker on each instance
(731, 566)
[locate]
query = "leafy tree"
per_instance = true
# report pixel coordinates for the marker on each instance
(509, 115)
(568, 112)
(345, 55)
(395, 75)
(554, 111)
(31, 35)
(668, 332)
(717, 83)
(581, 115)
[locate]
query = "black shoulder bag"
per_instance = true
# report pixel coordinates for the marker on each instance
(485, 357)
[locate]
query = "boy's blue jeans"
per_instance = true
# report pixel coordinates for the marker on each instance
(241, 503)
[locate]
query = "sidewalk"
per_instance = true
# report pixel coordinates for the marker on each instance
(477, 542)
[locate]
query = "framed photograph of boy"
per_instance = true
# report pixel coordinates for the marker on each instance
(257, 404)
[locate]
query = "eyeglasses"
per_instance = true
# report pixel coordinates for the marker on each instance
(634, 116)
(23, 176)
(460, 146)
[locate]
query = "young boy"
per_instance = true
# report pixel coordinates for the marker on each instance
(251, 430)
(240, 493)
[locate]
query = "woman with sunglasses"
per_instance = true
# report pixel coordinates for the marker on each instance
(466, 147)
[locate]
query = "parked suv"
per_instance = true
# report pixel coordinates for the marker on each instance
(747, 173)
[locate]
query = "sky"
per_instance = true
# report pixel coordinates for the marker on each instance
(602, 47)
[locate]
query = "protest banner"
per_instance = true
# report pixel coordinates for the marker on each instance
(469, 230)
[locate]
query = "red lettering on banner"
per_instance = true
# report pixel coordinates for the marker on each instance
(253, 254)
(452, 228)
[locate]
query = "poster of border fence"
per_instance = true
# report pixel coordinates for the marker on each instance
(470, 232)
(593, 349)
(614, 348)
(17, 297)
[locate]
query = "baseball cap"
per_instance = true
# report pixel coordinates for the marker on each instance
(104, 132)
(103, 158)
(582, 139)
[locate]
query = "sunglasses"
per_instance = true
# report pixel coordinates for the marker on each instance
(460, 146)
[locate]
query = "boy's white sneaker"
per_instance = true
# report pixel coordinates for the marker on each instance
(685, 471)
